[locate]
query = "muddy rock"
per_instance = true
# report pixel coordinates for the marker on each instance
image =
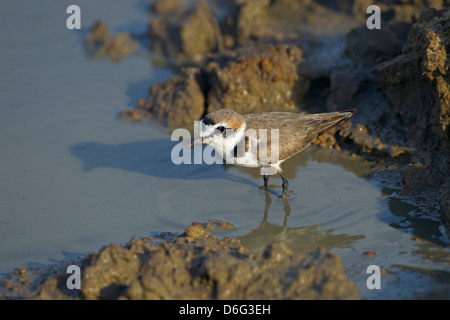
(197, 265)
(288, 20)
(179, 101)
(251, 16)
(399, 15)
(417, 178)
(417, 89)
(371, 132)
(256, 80)
(184, 34)
(45, 283)
(187, 33)
(370, 144)
(194, 265)
(344, 84)
(102, 44)
(247, 80)
(369, 47)
(109, 271)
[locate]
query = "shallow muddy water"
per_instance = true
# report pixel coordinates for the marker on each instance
(74, 178)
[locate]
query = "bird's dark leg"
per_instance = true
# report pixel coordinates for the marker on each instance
(266, 180)
(285, 183)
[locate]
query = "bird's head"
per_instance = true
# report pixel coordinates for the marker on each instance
(220, 128)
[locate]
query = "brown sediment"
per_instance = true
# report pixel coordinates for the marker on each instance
(193, 265)
(179, 101)
(417, 88)
(101, 43)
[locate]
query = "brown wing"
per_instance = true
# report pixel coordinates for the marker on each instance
(296, 131)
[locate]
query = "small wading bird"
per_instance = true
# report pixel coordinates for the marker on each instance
(228, 133)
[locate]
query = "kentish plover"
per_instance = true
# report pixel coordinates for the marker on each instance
(228, 133)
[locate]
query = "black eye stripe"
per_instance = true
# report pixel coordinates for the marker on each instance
(221, 129)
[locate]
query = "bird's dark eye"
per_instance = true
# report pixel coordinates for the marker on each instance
(221, 129)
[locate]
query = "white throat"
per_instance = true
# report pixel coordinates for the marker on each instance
(223, 145)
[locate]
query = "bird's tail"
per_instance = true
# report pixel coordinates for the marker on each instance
(330, 119)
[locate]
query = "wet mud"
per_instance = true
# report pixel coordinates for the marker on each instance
(256, 56)
(101, 44)
(193, 265)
